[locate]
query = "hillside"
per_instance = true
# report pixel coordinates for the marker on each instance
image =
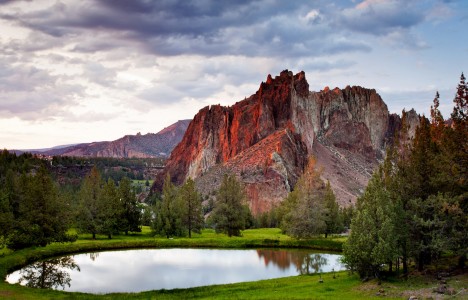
(139, 146)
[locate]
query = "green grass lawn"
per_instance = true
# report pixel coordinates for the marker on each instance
(344, 286)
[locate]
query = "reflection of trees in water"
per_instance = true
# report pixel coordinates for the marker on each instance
(305, 263)
(312, 263)
(49, 274)
(93, 255)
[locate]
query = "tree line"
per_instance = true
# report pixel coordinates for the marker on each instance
(104, 208)
(32, 209)
(179, 211)
(309, 210)
(415, 207)
(36, 211)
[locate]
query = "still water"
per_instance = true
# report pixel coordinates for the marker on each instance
(153, 269)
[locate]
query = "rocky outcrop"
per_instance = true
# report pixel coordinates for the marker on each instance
(266, 139)
(140, 146)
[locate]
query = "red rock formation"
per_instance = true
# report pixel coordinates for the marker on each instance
(265, 140)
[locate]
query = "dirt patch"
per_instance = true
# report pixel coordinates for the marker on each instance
(456, 288)
(5, 294)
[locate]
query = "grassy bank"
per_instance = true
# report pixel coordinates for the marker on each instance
(254, 238)
(344, 286)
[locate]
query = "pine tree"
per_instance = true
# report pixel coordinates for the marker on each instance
(168, 220)
(230, 213)
(304, 211)
(460, 110)
(88, 219)
(333, 220)
(437, 121)
(6, 209)
(130, 213)
(110, 209)
(192, 213)
(42, 215)
(372, 242)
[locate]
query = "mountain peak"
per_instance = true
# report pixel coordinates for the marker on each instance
(266, 139)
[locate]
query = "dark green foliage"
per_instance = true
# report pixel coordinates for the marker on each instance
(192, 213)
(268, 219)
(460, 110)
(424, 182)
(32, 212)
(311, 208)
(333, 220)
(230, 214)
(373, 241)
(88, 220)
(105, 209)
(147, 214)
(41, 216)
(168, 211)
(130, 213)
(110, 209)
(346, 215)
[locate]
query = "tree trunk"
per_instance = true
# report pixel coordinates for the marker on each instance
(420, 261)
(404, 259)
(94, 235)
(398, 265)
(462, 260)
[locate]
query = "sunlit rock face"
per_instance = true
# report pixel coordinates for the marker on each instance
(266, 139)
(142, 146)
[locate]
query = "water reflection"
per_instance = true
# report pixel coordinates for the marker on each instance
(94, 255)
(48, 274)
(305, 262)
(152, 269)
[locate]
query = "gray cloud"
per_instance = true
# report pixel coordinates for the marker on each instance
(32, 93)
(382, 17)
(209, 28)
(95, 72)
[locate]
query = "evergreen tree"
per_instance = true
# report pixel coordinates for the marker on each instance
(333, 219)
(168, 220)
(130, 213)
(230, 213)
(372, 242)
(192, 213)
(437, 121)
(304, 211)
(109, 209)
(88, 219)
(42, 215)
(6, 209)
(460, 110)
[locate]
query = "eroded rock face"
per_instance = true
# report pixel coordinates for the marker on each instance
(142, 146)
(266, 140)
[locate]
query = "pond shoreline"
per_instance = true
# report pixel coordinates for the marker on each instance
(270, 238)
(121, 271)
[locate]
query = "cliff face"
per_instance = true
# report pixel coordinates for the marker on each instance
(140, 146)
(266, 139)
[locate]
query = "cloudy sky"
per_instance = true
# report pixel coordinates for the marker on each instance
(91, 70)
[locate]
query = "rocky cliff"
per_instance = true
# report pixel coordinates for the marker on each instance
(266, 139)
(142, 146)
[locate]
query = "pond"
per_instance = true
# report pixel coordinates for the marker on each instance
(153, 269)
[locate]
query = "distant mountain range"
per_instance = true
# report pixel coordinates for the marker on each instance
(149, 145)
